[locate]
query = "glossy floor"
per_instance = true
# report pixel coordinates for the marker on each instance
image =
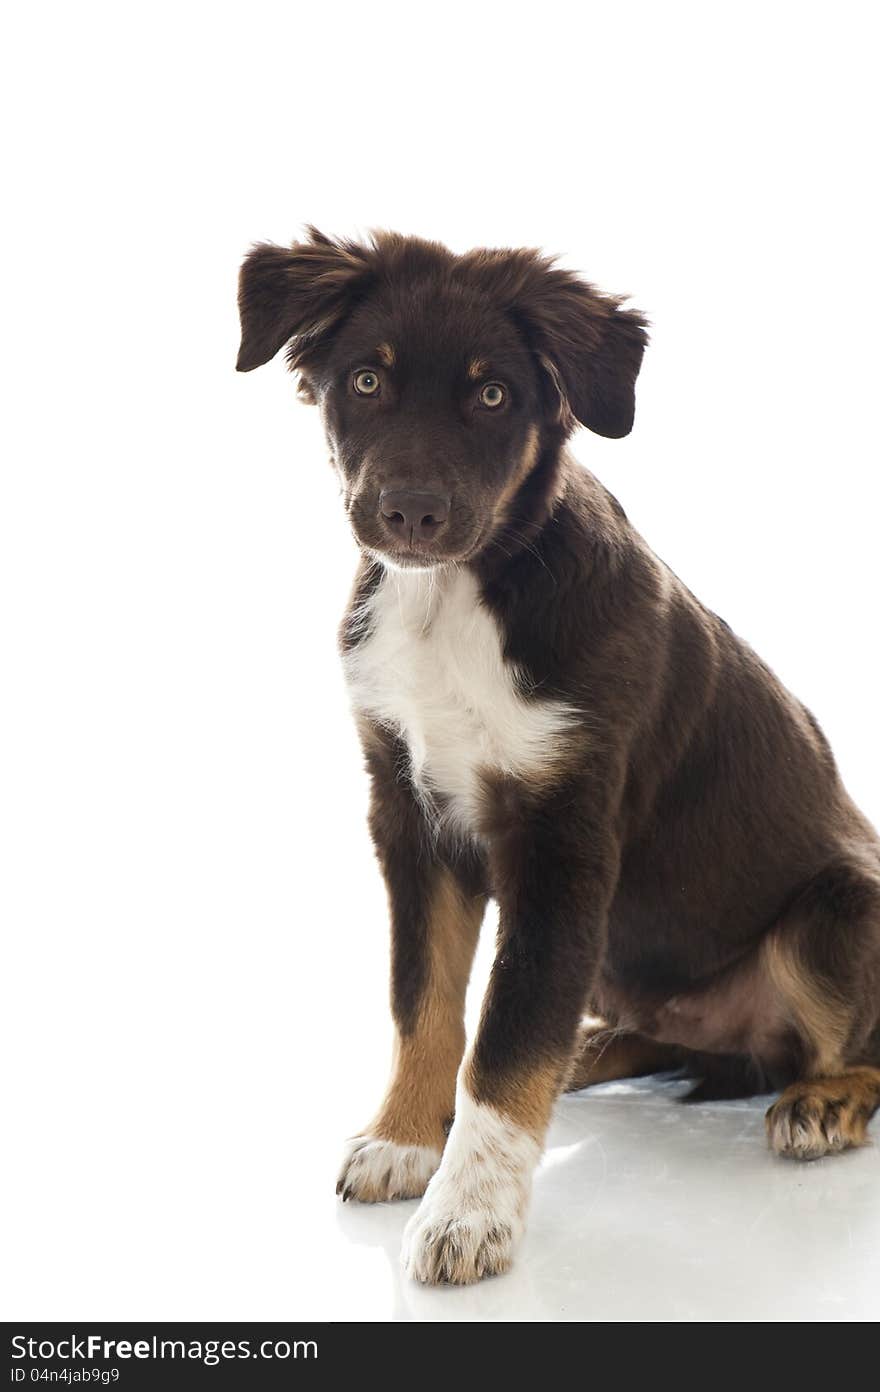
(647, 1210)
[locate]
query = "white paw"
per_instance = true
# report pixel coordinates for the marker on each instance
(374, 1170)
(447, 1243)
(474, 1210)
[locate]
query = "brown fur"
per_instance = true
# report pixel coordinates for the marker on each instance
(822, 1019)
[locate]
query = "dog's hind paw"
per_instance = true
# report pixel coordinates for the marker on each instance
(823, 1116)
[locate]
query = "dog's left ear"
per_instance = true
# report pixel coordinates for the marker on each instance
(302, 292)
(588, 345)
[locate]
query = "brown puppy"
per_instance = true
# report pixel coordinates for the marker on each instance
(551, 718)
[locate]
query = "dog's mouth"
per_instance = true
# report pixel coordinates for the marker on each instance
(417, 556)
(410, 558)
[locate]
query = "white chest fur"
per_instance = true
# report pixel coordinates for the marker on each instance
(431, 668)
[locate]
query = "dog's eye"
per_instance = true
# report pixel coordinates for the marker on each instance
(366, 383)
(492, 395)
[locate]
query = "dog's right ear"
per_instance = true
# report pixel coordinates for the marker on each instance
(302, 292)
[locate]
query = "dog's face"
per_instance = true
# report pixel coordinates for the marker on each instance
(442, 380)
(430, 402)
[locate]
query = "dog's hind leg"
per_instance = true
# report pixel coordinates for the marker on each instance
(824, 960)
(604, 1053)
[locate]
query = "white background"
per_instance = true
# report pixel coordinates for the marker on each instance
(194, 928)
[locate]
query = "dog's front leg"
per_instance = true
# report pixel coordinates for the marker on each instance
(436, 905)
(553, 901)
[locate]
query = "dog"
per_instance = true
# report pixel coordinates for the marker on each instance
(549, 717)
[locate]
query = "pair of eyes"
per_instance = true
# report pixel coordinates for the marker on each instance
(366, 383)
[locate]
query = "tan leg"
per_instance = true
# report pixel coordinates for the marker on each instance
(401, 1148)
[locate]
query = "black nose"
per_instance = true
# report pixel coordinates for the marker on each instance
(413, 516)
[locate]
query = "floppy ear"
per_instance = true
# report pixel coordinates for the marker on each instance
(301, 293)
(590, 348)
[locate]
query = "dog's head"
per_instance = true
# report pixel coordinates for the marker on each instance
(446, 383)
